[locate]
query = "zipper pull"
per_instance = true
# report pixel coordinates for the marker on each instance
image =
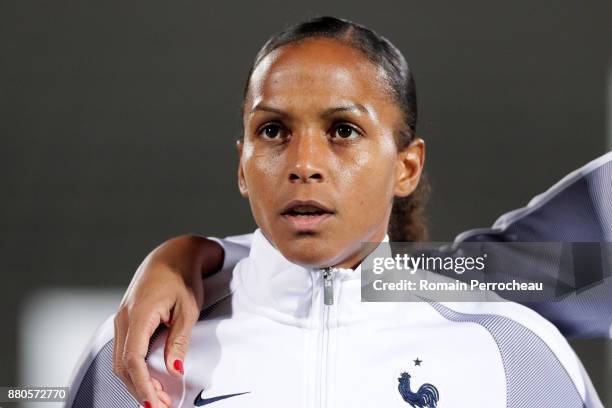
(328, 286)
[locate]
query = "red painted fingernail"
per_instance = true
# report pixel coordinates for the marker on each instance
(178, 366)
(146, 404)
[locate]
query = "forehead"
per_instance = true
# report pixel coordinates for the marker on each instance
(316, 72)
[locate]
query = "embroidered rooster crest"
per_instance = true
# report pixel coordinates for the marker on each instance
(427, 395)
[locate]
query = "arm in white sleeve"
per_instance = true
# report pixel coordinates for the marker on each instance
(235, 247)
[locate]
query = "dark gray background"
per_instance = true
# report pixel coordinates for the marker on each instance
(118, 122)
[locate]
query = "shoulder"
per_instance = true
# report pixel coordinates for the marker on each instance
(540, 366)
(235, 248)
(93, 382)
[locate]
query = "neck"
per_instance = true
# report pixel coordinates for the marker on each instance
(361, 251)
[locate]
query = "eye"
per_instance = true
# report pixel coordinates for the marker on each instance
(272, 131)
(345, 132)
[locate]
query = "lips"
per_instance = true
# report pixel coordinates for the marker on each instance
(306, 215)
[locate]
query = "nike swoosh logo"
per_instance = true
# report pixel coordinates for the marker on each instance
(199, 401)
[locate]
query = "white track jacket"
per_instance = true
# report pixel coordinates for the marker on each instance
(274, 334)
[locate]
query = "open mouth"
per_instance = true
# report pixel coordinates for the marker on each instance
(306, 215)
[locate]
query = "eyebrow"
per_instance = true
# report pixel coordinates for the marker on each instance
(327, 112)
(345, 108)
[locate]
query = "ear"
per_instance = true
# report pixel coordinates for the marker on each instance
(241, 181)
(409, 166)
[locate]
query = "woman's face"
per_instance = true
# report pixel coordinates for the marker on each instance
(319, 161)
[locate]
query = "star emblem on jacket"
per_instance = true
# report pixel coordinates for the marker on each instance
(426, 396)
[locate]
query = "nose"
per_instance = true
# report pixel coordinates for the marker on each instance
(307, 159)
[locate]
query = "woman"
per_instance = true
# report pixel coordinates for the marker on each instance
(329, 160)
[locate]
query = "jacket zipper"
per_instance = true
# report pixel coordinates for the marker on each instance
(328, 301)
(328, 286)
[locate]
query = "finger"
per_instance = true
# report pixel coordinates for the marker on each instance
(156, 384)
(119, 367)
(118, 342)
(162, 405)
(120, 323)
(139, 333)
(163, 396)
(184, 316)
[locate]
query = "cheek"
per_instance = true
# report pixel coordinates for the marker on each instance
(262, 172)
(261, 169)
(369, 177)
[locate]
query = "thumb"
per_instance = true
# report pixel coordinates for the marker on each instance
(179, 335)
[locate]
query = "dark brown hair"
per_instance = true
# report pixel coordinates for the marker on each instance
(408, 221)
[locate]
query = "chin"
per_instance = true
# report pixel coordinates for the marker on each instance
(308, 251)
